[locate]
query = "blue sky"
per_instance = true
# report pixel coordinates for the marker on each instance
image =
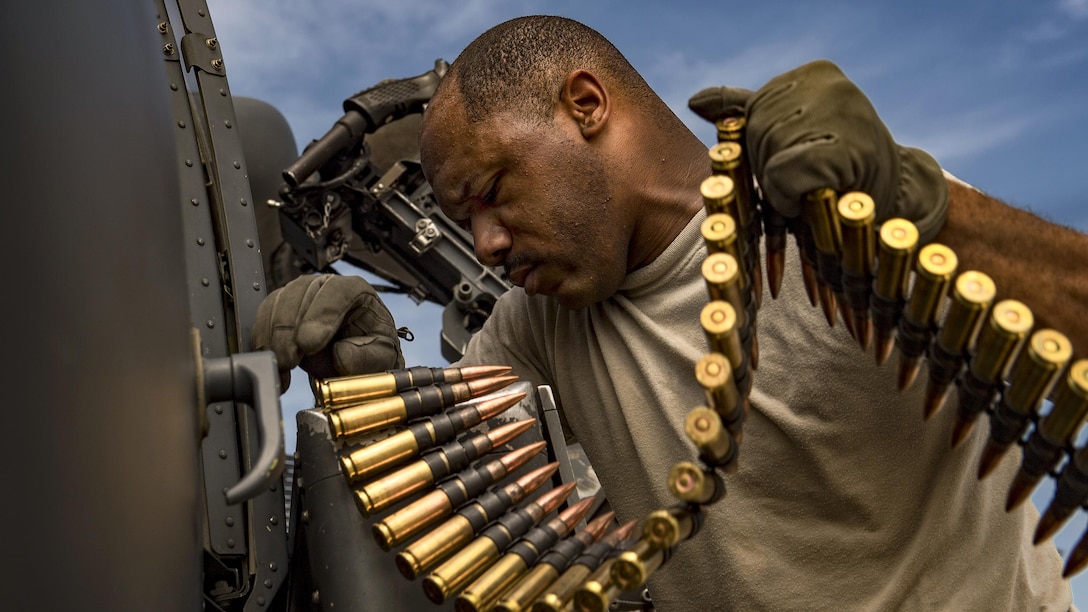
(997, 91)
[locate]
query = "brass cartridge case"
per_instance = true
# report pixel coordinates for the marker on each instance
(414, 403)
(584, 569)
(438, 544)
(385, 492)
(722, 274)
(898, 241)
(819, 212)
(721, 326)
(383, 454)
(598, 591)
(936, 265)
(331, 393)
(715, 374)
(424, 512)
(528, 589)
(857, 217)
(971, 296)
(999, 339)
(690, 483)
(1056, 431)
(719, 195)
(1036, 369)
(368, 417)
(435, 545)
(728, 158)
(633, 567)
(1030, 379)
(472, 560)
(704, 427)
(401, 484)
(1060, 426)
(719, 233)
(557, 559)
(460, 569)
(485, 591)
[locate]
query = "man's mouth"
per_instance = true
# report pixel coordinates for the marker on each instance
(519, 274)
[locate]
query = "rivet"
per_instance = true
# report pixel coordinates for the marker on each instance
(230, 521)
(205, 282)
(181, 124)
(305, 517)
(217, 64)
(268, 583)
(222, 453)
(272, 566)
(273, 488)
(173, 86)
(260, 600)
(210, 324)
(273, 520)
(189, 163)
(200, 241)
(200, 12)
(256, 286)
(168, 49)
(194, 202)
(211, 42)
(243, 202)
(230, 542)
(222, 92)
(237, 165)
(162, 27)
(315, 597)
(219, 410)
(249, 242)
(228, 124)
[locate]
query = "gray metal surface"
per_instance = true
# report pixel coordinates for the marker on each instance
(100, 428)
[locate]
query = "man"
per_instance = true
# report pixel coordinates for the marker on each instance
(573, 175)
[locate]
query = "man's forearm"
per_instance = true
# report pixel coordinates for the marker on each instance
(1042, 264)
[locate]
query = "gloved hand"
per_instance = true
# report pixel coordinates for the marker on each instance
(331, 325)
(811, 128)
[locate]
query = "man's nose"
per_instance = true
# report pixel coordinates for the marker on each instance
(491, 240)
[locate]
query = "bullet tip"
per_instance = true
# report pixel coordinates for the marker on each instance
(1019, 490)
(1077, 560)
(885, 343)
(960, 431)
(1048, 524)
(934, 399)
(863, 329)
(908, 371)
(776, 262)
(991, 456)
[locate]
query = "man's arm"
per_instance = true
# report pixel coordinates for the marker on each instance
(1039, 263)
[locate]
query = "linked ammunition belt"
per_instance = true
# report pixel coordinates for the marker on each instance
(478, 542)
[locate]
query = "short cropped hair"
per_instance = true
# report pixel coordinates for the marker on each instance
(521, 65)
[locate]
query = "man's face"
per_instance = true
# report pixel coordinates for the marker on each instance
(536, 200)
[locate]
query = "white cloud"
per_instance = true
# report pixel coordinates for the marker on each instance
(1077, 9)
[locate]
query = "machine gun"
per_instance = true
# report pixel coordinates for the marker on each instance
(338, 203)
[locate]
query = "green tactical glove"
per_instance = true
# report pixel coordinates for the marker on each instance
(331, 325)
(811, 128)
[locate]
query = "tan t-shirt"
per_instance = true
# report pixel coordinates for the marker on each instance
(845, 498)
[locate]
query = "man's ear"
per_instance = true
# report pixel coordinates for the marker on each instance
(587, 101)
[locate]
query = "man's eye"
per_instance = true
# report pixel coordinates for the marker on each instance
(492, 193)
